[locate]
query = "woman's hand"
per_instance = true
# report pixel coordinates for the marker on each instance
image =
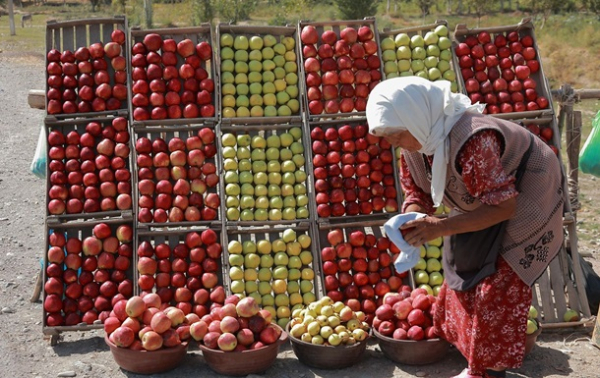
(419, 231)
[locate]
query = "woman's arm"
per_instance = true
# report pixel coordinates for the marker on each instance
(415, 199)
(484, 177)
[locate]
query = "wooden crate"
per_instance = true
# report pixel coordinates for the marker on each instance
(202, 33)
(353, 122)
(270, 233)
(337, 26)
(265, 131)
(193, 274)
(79, 125)
(422, 30)
(279, 32)
(71, 35)
(374, 228)
(524, 28)
(167, 133)
(81, 230)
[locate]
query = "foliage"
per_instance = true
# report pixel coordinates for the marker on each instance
(424, 6)
(234, 10)
(479, 8)
(356, 9)
(202, 11)
(592, 6)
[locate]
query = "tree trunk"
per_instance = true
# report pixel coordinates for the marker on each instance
(449, 6)
(459, 9)
(11, 18)
(148, 13)
(502, 6)
(387, 7)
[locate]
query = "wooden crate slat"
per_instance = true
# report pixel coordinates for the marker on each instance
(81, 36)
(546, 297)
(558, 287)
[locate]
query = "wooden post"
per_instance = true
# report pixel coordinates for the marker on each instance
(11, 17)
(148, 13)
(573, 140)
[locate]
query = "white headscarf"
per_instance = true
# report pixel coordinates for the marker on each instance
(428, 110)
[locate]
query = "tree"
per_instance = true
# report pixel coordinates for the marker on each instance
(543, 7)
(592, 6)
(203, 11)
(356, 9)
(235, 10)
(480, 8)
(425, 6)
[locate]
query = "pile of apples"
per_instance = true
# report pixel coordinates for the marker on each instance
(175, 178)
(170, 79)
(79, 82)
(427, 56)
(532, 320)
(237, 326)
(259, 76)
(326, 322)
(353, 171)
(428, 271)
(187, 274)
(499, 72)
(89, 169)
(85, 277)
(146, 323)
(341, 70)
(407, 315)
(264, 176)
(544, 132)
(278, 274)
(358, 269)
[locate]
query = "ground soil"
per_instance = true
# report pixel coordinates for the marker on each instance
(24, 351)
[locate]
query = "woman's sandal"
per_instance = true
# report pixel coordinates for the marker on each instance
(465, 374)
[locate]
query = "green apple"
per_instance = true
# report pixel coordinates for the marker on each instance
(247, 215)
(433, 50)
(293, 287)
(291, 78)
(226, 40)
(436, 278)
(286, 140)
(268, 65)
(269, 88)
(431, 38)
(274, 190)
(444, 43)
(288, 166)
(421, 264)
(262, 202)
(261, 178)
(255, 67)
(308, 274)
(237, 286)
(275, 215)
(279, 49)
(301, 200)
(306, 287)
(256, 111)
(300, 176)
(292, 91)
(246, 202)
(251, 287)
(229, 100)
(241, 56)
(260, 190)
(286, 153)
(273, 141)
(255, 97)
(531, 326)
(267, 53)
(449, 75)
(244, 165)
(264, 274)
(269, 40)
(257, 297)
(279, 73)
(404, 52)
(234, 247)
(282, 97)
(279, 62)
(251, 260)
(240, 42)
(388, 56)
(243, 140)
(228, 140)
(248, 246)
(227, 78)
(231, 177)
(434, 73)
(263, 247)
(423, 74)
(256, 42)
(287, 190)
(387, 44)
(261, 215)
(296, 132)
(228, 89)
(419, 53)
(430, 61)
(241, 78)
(280, 85)
(266, 261)
(284, 111)
(236, 273)
(236, 260)
(233, 214)
(433, 265)
(289, 201)
(427, 288)
(443, 66)
(276, 203)
(293, 248)
(230, 164)
(390, 68)
(289, 43)
(243, 153)
(454, 87)
(241, 67)
(441, 30)
(416, 41)
(299, 160)
(282, 300)
(403, 65)
(227, 65)
(446, 55)
(232, 189)
(433, 251)
(275, 178)
(288, 178)
(402, 39)
(257, 154)
(299, 189)
(267, 76)
(290, 67)
(279, 287)
(306, 257)
(273, 166)
(272, 153)
(256, 55)
(264, 287)
(232, 201)
(294, 274)
(258, 142)
(421, 277)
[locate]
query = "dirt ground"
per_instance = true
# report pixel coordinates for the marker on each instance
(25, 353)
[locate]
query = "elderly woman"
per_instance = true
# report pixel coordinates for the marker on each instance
(505, 190)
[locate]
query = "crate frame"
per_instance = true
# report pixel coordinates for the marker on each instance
(375, 227)
(336, 26)
(345, 218)
(166, 133)
(75, 124)
(525, 28)
(252, 30)
(83, 228)
(249, 233)
(78, 29)
(421, 30)
(197, 34)
(174, 237)
(309, 183)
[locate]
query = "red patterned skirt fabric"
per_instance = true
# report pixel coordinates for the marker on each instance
(488, 323)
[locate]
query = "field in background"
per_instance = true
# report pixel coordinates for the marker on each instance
(569, 45)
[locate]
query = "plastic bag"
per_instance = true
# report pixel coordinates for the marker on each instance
(409, 255)
(589, 157)
(38, 164)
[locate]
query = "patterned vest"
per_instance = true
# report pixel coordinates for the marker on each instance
(534, 234)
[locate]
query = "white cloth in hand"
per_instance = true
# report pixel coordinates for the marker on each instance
(409, 255)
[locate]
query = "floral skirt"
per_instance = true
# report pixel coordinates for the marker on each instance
(488, 323)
